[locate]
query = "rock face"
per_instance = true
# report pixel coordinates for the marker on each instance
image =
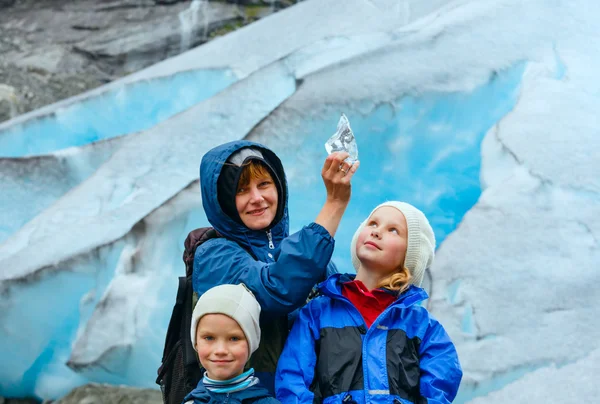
(23, 89)
(9, 104)
(54, 49)
(17, 400)
(106, 394)
(99, 394)
(3, 4)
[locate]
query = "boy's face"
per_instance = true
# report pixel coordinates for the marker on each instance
(381, 245)
(256, 202)
(222, 346)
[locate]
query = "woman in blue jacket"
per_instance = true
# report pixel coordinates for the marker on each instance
(366, 339)
(244, 194)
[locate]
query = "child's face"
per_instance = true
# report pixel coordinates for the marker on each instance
(222, 346)
(256, 202)
(381, 245)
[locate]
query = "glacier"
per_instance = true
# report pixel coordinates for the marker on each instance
(482, 113)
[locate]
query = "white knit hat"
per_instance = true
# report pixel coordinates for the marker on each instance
(421, 240)
(235, 301)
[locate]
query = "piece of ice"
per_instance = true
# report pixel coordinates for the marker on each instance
(343, 140)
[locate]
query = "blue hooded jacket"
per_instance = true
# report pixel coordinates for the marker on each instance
(253, 394)
(331, 357)
(280, 269)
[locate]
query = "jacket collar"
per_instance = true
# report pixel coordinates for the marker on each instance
(332, 287)
(201, 395)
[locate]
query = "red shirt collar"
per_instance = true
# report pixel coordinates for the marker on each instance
(370, 303)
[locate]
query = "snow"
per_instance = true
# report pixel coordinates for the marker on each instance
(482, 113)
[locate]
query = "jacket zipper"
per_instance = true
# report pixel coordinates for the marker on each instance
(348, 399)
(373, 326)
(270, 237)
(362, 328)
(364, 331)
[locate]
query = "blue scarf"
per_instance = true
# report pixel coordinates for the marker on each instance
(238, 383)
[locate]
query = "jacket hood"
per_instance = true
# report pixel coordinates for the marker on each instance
(210, 169)
(202, 395)
(332, 287)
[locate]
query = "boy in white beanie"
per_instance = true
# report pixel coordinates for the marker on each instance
(225, 331)
(366, 338)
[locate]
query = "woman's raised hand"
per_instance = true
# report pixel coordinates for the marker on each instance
(337, 175)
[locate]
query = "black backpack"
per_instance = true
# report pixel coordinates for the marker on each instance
(180, 370)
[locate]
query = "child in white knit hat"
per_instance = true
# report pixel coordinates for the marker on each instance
(225, 331)
(367, 338)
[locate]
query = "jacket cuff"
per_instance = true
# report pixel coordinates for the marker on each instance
(320, 230)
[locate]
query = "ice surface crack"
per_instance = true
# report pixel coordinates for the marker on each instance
(543, 180)
(589, 230)
(505, 148)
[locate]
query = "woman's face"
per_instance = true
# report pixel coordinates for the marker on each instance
(381, 245)
(256, 202)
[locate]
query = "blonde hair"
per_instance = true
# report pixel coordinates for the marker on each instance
(397, 281)
(253, 170)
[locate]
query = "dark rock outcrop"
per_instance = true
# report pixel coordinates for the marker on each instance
(5, 4)
(107, 394)
(54, 49)
(18, 400)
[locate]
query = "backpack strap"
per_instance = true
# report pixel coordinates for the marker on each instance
(190, 356)
(314, 293)
(176, 318)
(192, 241)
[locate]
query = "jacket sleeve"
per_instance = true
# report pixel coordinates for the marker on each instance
(296, 366)
(440, 369)
(280, 286)
(331, 269)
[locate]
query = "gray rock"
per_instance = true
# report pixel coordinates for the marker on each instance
(33, 88)
(10, 105)
(6, 3)
(131, 47)
(18, 401)
(53, 49)
(52, 59)
(107, 394)
(117, 37)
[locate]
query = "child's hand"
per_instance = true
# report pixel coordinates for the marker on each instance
(337, 175)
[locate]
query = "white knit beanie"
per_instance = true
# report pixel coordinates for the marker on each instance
(421, 240)
(235, 301)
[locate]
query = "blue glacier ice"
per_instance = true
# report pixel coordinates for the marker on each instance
(48, 177)
(481, 113)
(128, 109)
(423, 149)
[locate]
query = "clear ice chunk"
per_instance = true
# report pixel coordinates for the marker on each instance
(343, 140)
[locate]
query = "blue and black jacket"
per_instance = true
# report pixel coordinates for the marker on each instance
(331, 357)
(280, 269)
(252, 395)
